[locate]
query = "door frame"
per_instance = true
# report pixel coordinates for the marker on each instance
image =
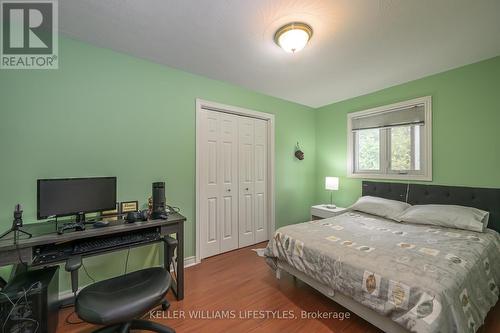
(218, 107)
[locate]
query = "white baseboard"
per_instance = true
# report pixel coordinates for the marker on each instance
(188, 262)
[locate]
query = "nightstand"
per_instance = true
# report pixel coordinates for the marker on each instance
(319, 212)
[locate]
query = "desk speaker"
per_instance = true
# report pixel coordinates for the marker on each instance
(159, 204)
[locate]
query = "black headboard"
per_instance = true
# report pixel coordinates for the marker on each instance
(487, 199)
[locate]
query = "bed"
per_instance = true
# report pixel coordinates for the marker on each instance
(398, 276)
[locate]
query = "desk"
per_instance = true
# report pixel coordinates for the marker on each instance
(44, 233)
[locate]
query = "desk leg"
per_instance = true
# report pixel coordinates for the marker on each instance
(180, 263)
(177, 283)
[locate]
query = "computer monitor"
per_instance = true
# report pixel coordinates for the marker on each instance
(75, 196)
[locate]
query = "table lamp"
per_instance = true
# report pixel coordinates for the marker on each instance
(331, 184)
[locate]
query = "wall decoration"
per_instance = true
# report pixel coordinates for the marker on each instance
(299, 154)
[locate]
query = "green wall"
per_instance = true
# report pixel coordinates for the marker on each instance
(105, 113)
(466, 135)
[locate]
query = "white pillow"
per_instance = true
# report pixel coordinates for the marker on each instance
(390, 209)
(449, 216)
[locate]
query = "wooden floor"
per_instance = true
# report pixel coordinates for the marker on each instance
(241, 281)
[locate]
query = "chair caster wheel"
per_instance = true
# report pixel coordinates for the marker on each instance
(165, 305)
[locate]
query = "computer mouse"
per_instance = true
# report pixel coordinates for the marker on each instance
(100, 224)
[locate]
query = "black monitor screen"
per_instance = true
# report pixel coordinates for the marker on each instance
(63, 197)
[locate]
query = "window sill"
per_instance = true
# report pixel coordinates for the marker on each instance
(390, 176)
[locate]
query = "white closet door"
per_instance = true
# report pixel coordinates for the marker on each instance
(228, 171)
(209, 184)
(233, 182)
(218, 183)
(246, 163)
(260, 189)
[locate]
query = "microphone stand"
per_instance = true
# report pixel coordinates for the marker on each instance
(17, 223)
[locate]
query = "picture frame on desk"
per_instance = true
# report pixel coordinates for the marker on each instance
(111, 215)
(129, 206)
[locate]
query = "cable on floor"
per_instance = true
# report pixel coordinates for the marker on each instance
(72, 322)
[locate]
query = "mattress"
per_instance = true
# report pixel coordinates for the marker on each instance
(425, 278)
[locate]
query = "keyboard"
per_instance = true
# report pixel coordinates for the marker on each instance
(60, 252)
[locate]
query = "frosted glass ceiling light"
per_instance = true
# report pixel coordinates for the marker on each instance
(293, 37)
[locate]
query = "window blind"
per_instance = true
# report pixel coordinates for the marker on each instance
(412, 115)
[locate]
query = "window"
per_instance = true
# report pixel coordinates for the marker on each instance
(368, 146)
(391, 142)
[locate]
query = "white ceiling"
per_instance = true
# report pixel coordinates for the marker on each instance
(358, 46)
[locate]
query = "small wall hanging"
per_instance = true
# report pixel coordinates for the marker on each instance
(298, 152)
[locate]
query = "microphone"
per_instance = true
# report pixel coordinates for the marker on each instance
(18, 215)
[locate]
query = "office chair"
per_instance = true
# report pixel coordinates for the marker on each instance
(118, 302)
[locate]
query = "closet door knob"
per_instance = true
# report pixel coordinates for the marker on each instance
(246, 189)
(229, 190)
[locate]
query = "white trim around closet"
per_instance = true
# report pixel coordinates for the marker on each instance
(213, 106)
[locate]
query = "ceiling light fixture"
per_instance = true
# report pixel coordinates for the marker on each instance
(293, 37)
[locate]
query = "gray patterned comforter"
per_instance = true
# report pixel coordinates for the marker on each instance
(425, 278)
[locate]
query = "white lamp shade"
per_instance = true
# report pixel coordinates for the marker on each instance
(332, 183)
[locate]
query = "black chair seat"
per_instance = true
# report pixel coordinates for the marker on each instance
(124, 297)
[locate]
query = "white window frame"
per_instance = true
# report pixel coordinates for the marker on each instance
(385, 172)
